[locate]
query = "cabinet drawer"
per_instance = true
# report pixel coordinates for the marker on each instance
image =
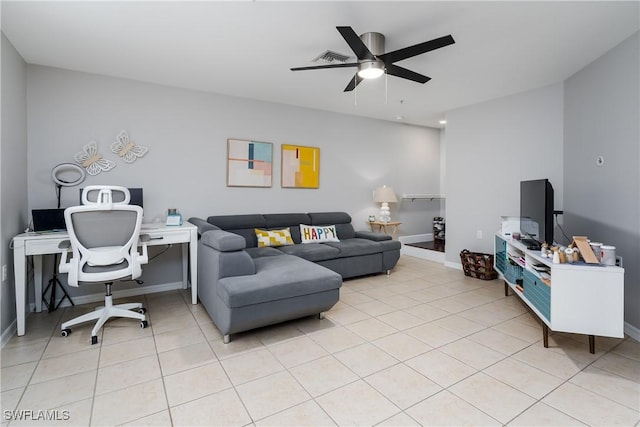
(537, 293)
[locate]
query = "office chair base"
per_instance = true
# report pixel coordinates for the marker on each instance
(102, 314)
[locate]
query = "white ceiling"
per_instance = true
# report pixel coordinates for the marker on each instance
(246, 48)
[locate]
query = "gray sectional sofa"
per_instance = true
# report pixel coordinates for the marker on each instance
(243, 286)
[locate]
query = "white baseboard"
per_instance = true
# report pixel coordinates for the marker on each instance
(632, 331)
(123, 293)
(455, 265)
(415, 238)
(420, 252)
(8, 333)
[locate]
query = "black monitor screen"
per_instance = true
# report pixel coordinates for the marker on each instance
(136, 196)
(536, 210)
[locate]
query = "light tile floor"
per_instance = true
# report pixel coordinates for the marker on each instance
(425, 346)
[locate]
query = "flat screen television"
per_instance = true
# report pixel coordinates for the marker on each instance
(536, 212)
(135, 193)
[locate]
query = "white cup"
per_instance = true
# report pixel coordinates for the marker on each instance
(608, 255)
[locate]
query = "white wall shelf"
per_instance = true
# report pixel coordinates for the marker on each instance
(412, 197)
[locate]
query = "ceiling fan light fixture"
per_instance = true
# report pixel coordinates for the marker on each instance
(370, 69)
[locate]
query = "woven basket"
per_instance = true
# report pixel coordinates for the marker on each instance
(478, 265)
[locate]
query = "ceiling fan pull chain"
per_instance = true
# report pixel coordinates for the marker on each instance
(355, 95)
(386, 83)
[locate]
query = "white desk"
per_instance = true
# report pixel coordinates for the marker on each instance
(38, 244)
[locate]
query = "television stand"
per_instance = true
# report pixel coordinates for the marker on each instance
(575, 298)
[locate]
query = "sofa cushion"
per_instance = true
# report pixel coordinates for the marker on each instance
(318, 234)
(312, 251)
(242, 225)
(287, 220)
(355, 247)
(341, 220)
(234, 222)
(273, 237)
(323, 218)
(262, 252)
(277, 278)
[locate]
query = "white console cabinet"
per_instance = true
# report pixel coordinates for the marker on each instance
(576, 298)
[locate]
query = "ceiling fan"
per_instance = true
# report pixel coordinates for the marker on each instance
(373, 61)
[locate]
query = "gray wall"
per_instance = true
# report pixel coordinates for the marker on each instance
(601, 118)
(186, 132)
(13, 173)
(491, 147)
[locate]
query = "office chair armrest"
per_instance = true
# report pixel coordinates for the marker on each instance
(144, 257)
(67, 265)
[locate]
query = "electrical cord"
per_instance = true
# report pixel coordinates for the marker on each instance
(560, 227)
(169, 246)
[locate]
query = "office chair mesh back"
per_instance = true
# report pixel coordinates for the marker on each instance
(104, 229)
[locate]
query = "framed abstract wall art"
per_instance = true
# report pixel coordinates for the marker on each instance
(249, 163)
(300, 166)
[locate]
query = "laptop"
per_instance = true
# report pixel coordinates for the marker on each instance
(48, 220)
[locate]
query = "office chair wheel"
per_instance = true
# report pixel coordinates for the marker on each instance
(142, 310)
(65, 332)
(94, 339)
(144, 324)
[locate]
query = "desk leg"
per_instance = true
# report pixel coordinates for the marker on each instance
(20, 278)
(37, 280)
(193, 268)
(185, 265)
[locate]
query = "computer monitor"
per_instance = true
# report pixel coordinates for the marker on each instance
(136, 196)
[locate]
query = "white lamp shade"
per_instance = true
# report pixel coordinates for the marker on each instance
(385, 194)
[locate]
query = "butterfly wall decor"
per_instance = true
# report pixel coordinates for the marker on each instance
(127, 149)
(93, 161)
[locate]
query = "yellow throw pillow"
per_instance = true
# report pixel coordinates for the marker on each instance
(274, 237)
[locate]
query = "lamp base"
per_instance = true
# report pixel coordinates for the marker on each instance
(385, 213)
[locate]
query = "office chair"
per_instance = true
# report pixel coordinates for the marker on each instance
(103, 240)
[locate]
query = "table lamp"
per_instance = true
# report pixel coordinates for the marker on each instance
(384, 195)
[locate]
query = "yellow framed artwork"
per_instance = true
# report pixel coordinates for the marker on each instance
(300, 166)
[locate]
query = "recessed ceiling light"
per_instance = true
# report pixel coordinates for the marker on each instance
(443, 122)
(399, 117)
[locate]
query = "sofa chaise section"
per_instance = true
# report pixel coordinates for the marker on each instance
(242, 293)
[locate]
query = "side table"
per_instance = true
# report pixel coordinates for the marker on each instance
(382, 226)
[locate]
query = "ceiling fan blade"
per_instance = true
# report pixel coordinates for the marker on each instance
(355, 81)
(356, 45)
(397, 71)
(417, 49)
(319, 67)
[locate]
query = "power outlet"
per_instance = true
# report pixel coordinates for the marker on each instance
(479, 234)
(4, 272)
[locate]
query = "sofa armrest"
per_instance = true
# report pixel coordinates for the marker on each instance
(223, 241)
(223, 255)
(203, 225)
(377, 237)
